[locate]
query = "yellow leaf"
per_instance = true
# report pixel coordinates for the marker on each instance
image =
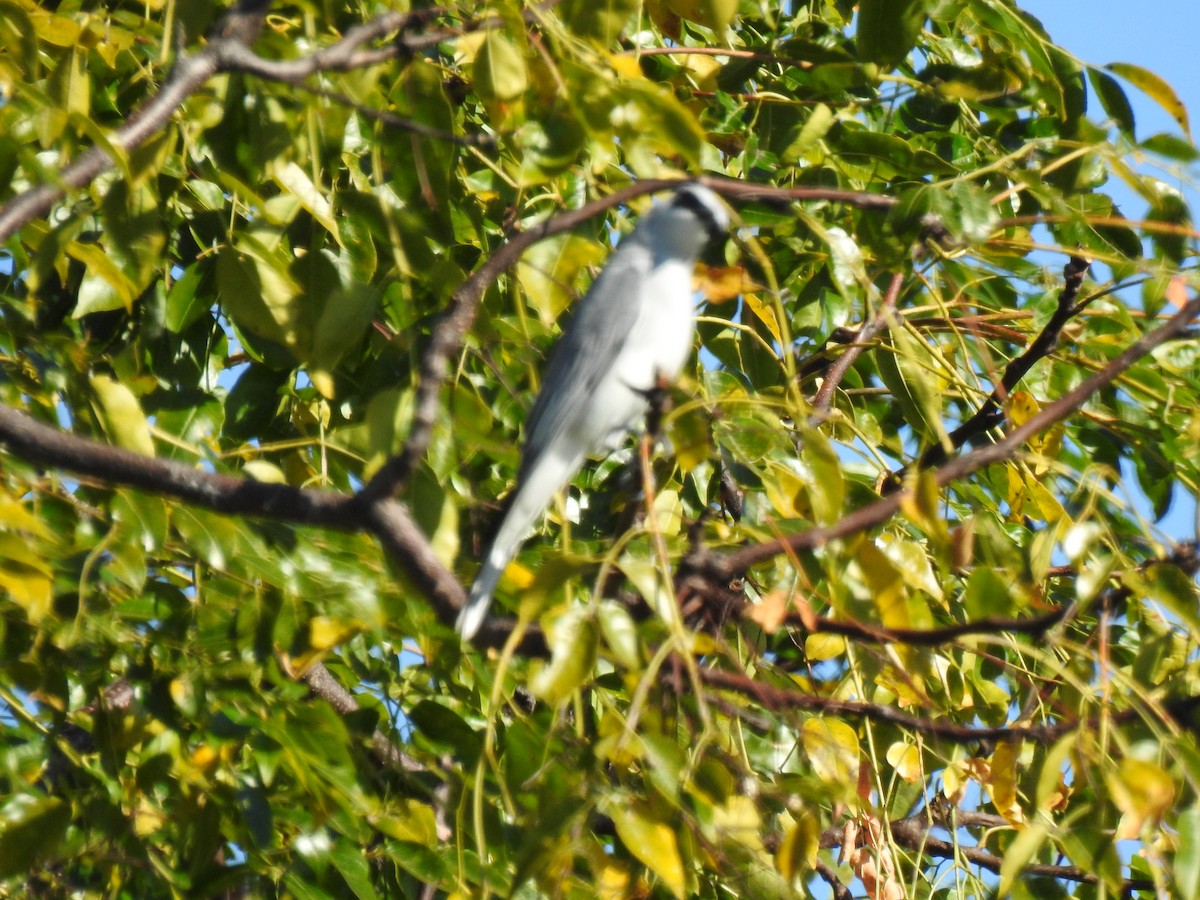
(720, 284)
(15, 517)
(613, 883)
(820, 647)
(765, 313)
(29, 590)
(832, 748)
(1021, 407)
(906, 760)
(121, 415)
(651, 841)
(1143, 791)
(1002, 786)
(326, 632)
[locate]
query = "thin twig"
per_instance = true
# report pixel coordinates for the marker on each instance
(839, 367)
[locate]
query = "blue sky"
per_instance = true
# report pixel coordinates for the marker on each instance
(1160, 35)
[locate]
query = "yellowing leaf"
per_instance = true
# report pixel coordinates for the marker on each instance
(906, 760)
(1157, 89)
(1002, 785)
(887, 588)
(121, 415)
(651, 841)
(737, 822)
(797, 853)
(408, 820)
(832, 748)
(820, 647)
(574, 644)
(1143, 791)
(620, 633)
(548, 270)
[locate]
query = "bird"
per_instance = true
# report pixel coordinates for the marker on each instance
(633, 328)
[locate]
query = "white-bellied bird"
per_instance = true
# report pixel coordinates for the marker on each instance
(634, 327)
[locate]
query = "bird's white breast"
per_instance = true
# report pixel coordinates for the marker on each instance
(658, 344)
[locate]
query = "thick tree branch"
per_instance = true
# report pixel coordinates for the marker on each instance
(324, 685)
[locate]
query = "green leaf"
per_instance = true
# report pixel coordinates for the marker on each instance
(887, 29)
(1113, 99)
(1187, 856)
(574, 642)
(987, 594)
(1019, 854)
(500, 70)
(104, 286)
(31, 829)
(351, 862)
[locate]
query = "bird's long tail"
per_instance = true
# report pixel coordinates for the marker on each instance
(536, 488)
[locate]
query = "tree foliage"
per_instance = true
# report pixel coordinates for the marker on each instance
(903, 608)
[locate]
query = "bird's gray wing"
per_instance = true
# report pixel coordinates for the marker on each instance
(588, 348)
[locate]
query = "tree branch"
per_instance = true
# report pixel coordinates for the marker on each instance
(777, 698)
(723, 568)
(237, 29)
(991, 413)
(839, 367)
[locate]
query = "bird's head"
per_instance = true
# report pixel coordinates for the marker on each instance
(693, 219)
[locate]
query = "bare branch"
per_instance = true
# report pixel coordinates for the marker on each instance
(777, 698)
